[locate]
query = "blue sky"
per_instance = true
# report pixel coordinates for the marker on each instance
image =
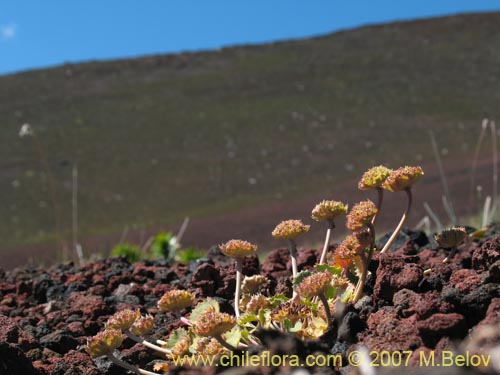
(39, 33)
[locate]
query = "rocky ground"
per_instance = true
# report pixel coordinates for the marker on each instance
(46, 315)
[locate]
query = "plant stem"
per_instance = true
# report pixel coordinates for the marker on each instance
(128, 366)
(328, 313)
(146, 343)
(293, 256)
(453, 250)
(366, 264)
(380, 193)
(331, 225)
(358, 291)
(400, 225)
(239, 271)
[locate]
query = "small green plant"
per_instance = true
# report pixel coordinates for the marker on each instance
(162, 246)
(188, 254)
(130, 252)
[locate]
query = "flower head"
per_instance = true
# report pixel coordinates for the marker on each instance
(374, 177)
(123, 320)
(256, 303)
(346, 251)
(403, 178)
(314, 285)
(175, 300)
(251, 284)
(181, 347)
(143, 326)
(339, 281)
(104, 342)
(237, 248)
(361, 215)
(290, 229)
(291, 311)
(450, 238)
(328, 210)
(213, 323)
(209, 347)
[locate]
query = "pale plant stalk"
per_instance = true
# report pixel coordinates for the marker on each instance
(293, 257)
(365, 262)
(331, 226)
(239, 272)
(127, 366)
(146, 343)
(401, 223)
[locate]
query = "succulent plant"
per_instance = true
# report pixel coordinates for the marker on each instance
(328, 211)
(402, 179)
(238, 249)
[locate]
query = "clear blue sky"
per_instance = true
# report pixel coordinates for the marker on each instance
(39, 33)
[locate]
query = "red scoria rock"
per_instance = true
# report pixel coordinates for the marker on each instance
(11, 333)
(396, 272)
(387, 332)
(438, 325)
(486, 255)
(465, 280)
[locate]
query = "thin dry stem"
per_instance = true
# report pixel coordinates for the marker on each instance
(331, 225)
(237, 292)
(400, 225)
(146, 343)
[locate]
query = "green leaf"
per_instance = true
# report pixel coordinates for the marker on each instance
(301, 276)
(297, 327)
(330, 292)
(346, 296)
(175, 336)
(278, 300)
(233, 337)
(203, 306)
(334, 270)
(248, 318)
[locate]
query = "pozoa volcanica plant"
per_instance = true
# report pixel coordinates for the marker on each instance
(306, 311)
